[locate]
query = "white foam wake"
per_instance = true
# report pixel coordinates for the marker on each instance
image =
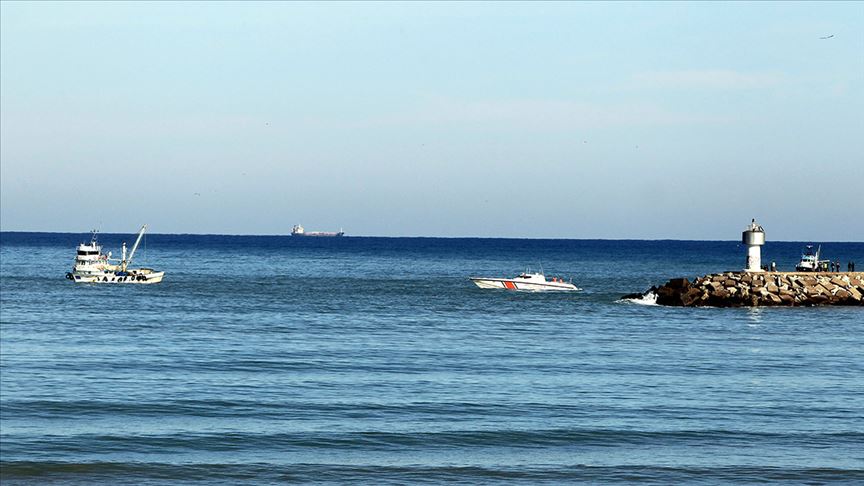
(649, 298)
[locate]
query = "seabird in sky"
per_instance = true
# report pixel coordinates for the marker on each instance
(827, 36)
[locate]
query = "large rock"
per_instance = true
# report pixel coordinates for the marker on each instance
(817, 299)
(690, 297)
(678, 283)
(811, 291)
(670, 294)
(667, 296)
(826, 288)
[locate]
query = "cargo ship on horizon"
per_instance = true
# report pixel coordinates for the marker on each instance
(298, 230)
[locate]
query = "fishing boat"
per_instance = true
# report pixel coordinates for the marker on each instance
(810, 261)
(533, 281)
(93, 266)
(298, 230)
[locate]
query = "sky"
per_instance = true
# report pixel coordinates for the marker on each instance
(530, 120)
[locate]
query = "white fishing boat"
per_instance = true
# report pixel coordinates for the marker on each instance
(93, 266)
(810, 261)
(536, 282)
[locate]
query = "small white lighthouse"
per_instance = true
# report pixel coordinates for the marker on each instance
(754, 238)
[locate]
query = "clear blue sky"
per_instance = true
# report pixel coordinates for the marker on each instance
(572, 120)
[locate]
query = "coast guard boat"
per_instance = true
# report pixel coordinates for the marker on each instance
(298, 230)
(535, 281)
(93, 266)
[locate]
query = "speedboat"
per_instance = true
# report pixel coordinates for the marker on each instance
(535, 281)
(93, 266)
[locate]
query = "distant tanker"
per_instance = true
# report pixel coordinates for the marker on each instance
(298, 230)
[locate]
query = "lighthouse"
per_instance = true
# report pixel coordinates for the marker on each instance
(754, 238)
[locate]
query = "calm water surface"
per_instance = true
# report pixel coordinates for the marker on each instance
(275, 359)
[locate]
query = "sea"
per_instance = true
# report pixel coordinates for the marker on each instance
(283, 360)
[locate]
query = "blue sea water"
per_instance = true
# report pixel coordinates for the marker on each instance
(267, 359)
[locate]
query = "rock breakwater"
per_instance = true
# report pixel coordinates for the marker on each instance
(753, 289)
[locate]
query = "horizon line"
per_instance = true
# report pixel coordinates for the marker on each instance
(288, 235)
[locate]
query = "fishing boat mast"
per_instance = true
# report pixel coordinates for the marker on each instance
(134, 247)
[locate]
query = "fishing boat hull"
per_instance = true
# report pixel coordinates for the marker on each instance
(515, 284)
(118, 278)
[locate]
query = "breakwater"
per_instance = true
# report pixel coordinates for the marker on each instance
(754, 289)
